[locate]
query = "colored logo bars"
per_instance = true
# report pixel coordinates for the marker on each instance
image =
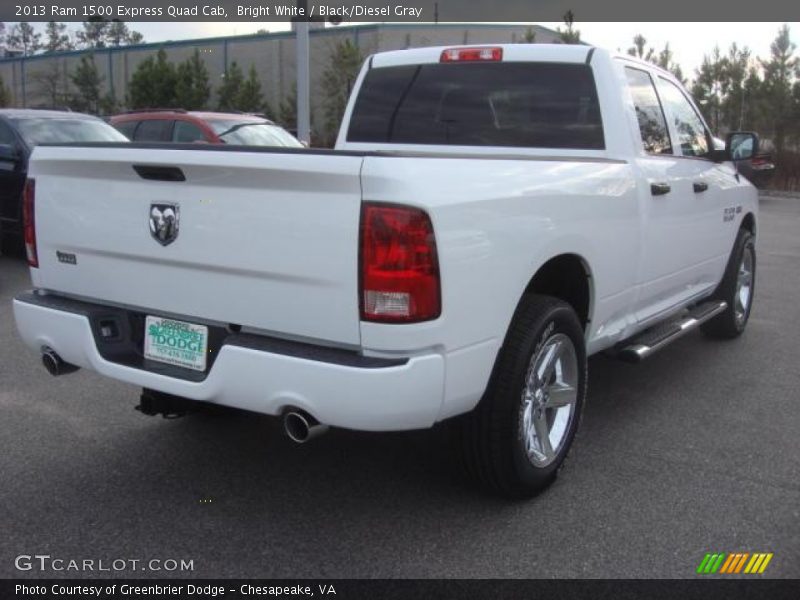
(734, 563)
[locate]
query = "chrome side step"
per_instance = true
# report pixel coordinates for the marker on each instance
(654, 339)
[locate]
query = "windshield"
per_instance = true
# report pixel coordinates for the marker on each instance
(253, 133)
(66, 130)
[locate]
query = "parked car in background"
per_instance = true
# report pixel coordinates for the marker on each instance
(758, 169)
(180, 126)
(20, 131)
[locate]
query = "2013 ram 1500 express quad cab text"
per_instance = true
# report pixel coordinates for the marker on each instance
(489, 218)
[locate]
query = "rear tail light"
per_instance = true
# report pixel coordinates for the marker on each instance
(29, 221)
(399, 265)
(472, 55)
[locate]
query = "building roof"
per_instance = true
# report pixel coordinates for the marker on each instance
(352, 29)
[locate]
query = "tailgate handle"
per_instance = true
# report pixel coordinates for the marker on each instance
(159, 173)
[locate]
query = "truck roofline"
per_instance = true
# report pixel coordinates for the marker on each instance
(562, 53)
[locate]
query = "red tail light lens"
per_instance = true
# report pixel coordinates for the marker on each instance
(472, 55)
(29, 221)
(399, 265)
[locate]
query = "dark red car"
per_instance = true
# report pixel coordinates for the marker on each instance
(180, 126)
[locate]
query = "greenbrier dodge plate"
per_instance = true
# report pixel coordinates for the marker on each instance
(176, 343)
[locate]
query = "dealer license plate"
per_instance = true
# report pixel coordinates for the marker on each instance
(176, 343)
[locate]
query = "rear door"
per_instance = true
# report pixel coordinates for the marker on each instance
(186, 132)
(126, 128)
(265, 240)
(154, 130)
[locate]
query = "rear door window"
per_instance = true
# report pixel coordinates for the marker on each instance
(154, 130)
(533, 105)
(652, 123)
(127, 128)
(187, 132)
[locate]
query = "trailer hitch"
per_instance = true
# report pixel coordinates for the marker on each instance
(152, 403)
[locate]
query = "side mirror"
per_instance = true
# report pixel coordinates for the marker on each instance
(8, 153)
(741, 145)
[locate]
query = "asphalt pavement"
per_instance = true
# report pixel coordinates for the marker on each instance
(696, 450)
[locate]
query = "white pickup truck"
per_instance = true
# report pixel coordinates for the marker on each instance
(490, 217)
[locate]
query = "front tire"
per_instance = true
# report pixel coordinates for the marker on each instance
(737, 289)
(517, 438)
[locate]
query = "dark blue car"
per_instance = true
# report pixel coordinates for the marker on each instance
(20, 131)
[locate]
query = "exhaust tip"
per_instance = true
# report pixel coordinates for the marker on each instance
(54, 364)
(301, 427)
(51, 361)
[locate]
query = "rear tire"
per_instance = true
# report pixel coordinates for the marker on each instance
(737, 288)
(516, 439)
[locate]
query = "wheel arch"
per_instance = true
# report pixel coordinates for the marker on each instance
(749, 223)
(567, 277)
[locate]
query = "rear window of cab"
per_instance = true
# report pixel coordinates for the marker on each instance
(530, 105)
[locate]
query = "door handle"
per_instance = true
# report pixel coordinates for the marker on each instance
(660, 189)
(700, 187)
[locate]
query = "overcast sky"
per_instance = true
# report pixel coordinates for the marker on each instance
(689, 41)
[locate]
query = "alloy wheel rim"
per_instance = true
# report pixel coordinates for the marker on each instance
(549, 398)
(744, 286)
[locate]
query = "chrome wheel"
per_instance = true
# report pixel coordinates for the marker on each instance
(744, 286)
(549, 399)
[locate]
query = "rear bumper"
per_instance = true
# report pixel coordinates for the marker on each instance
(254, 373)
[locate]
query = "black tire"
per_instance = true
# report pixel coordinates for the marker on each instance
(732, 321)
(490, 439)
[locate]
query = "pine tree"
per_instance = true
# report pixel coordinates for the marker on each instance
(736, 73)
(337, 83)
(287, 110)
(709, 87)
(529, 37)
(250, 98)
(93, 34)
(664, 60)
(87, 81)
(25, 37)
(153, 83)
(228, 92)
(780, 72)
(56, 38)
(569, 35)
(118, 34)
(639, 49)
(51, 81)
(753, 99)
(192, 89)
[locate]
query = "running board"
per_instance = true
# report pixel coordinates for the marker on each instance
(654, 339)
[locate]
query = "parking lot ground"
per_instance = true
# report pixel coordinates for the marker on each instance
(696, 450)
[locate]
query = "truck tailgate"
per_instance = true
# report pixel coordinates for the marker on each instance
(264, 240)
